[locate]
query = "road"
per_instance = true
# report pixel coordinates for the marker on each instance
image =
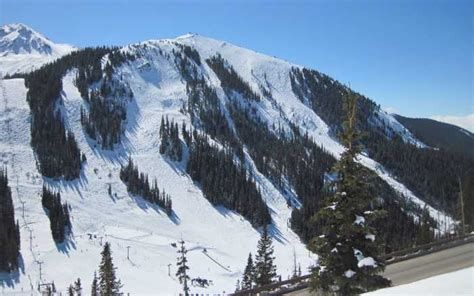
(424, 267)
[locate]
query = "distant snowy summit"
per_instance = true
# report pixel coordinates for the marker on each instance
(22, 49)
(18, 39)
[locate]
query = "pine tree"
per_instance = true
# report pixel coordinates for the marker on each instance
(183, 267)
(347, 247)
(248, 278)
(58, 214)
(138, 183)
(9, 230)
(265, 269)
(109, 285)
(225, 182)
(238, 286)
(94, 288)
(78, 287)
(70, 290)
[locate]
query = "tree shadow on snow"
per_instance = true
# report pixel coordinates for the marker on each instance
(146, 205)
(74, 185)
(174, 218)
(178, 167)
(10, 279)
(227, 213)
(66, 245)
(275, 233)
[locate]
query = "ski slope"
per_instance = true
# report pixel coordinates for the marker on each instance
(130, 223)
(126, 221)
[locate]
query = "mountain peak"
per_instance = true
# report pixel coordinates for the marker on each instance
(18, 38)
(23, 49)
(15, 27)
(187, 36)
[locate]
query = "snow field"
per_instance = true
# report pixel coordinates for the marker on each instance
(457, 283)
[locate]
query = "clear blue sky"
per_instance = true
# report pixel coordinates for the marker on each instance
(413, 56)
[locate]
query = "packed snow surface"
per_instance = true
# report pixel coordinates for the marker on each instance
(457, 283)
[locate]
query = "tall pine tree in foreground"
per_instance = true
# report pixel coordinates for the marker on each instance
(109, 285)
(183, 267)
(265, 269)
(348, 247)
(9, 230)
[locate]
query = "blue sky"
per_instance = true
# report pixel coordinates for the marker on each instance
(413, 57)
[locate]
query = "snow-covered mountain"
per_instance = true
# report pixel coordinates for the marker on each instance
(22, 49)
(218, 239)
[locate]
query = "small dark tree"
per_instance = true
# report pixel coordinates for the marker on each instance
(183, 267)
(265, 269)
(347, 247)
(248, 278)
(78, 287)
(108, 282)
(70, 290)
(238, 287)
(94, 287)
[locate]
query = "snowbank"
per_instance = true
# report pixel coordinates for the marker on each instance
(460, 282)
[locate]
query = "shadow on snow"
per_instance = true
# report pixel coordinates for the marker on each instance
(146, 205)
(10, 279)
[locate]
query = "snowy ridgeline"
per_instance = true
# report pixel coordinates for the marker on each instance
(131, 223)
(22, 49)
(458, 283)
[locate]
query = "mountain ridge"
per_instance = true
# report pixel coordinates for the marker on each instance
(236, 99)
(22, 49)
(441, 135)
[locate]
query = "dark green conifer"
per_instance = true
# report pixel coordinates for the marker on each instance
(78, 287)
(348, 248)
(9, 230)
(109, 285)
(70, 291)
(183, 267)
(94, 286)
(248, 279)
(265, 269)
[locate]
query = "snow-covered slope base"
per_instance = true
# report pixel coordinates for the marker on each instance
(218, 240)
(459, 283)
